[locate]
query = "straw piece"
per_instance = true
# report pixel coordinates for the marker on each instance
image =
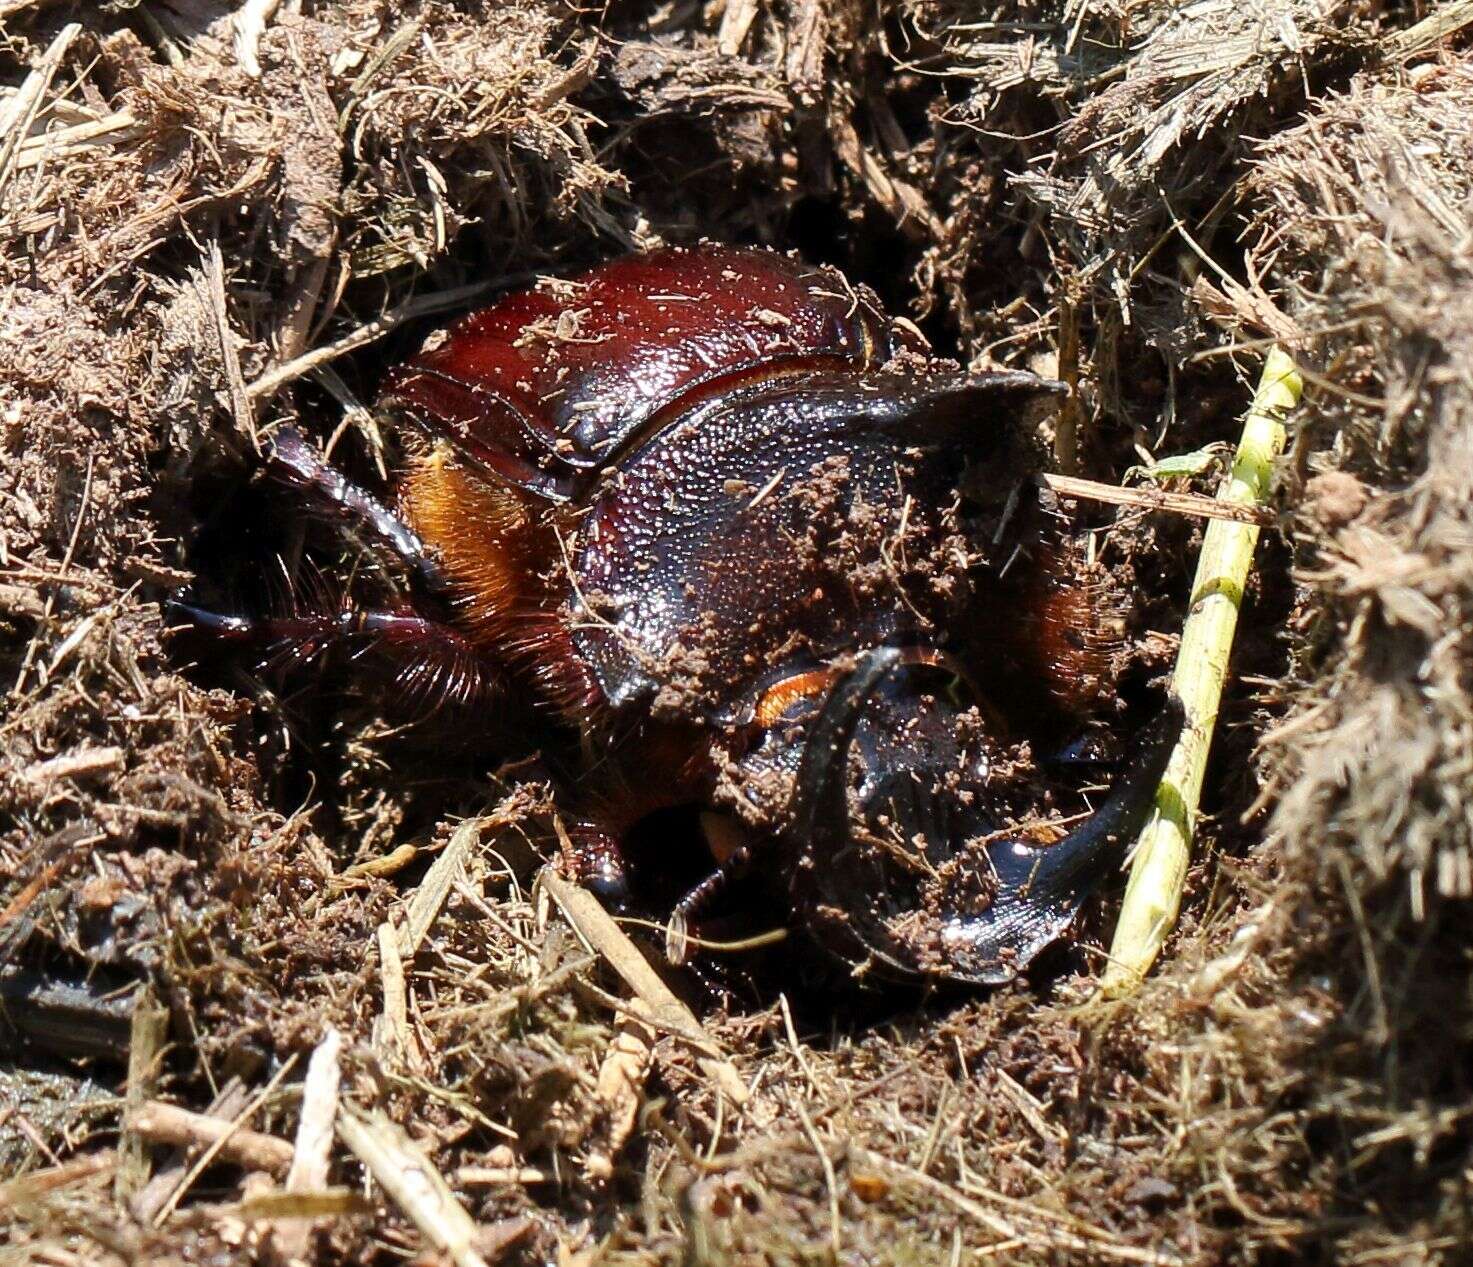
(391, 1031)
(306, 1182)
(598, 929)
(20, 113)
(16, 1193)
(161, 1123)
(425, 906)
(1153, 894)
(620, 1089)
(147, 1036)
(412, 1183)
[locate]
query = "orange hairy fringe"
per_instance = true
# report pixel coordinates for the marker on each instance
(489, 543)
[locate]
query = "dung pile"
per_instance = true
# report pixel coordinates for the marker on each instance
(216, 218)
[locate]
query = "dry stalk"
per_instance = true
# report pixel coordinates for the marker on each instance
(1153, 894)
(1192, 504)
(161, 1123)
(602, 935)
(412, 1183)
(79, 138)
(312, 1151)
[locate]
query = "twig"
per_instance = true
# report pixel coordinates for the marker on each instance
(74, 765)
(226, 1105)
(412, 1183)
(1153, 894)
(423, 306)
(302, 1209)
(1154, 499)
(598, 929)
(26, 103)
(145, 1046)
(1091, 1245)
(66, 567)
(161, 1123)
(228, 1138)
(501, 1176)
(312, 1151)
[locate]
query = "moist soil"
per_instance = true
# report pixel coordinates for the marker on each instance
(220, 884)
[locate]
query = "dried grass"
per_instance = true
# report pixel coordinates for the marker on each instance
(212, 198)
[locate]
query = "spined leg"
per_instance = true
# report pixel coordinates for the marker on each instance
(292, 457)
(699, 899)
(429, 662)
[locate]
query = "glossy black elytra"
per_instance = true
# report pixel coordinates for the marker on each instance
(707, 509)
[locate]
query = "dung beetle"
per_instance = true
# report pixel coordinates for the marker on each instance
(753, 549)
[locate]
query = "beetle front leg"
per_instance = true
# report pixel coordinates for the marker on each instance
(293, 458)
(430, 663)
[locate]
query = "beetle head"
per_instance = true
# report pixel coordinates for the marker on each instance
(899, 869)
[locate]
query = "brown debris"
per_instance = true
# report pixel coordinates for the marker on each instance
(217, 218)
(161, 1123)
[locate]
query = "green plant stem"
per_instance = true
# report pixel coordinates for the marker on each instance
(1153, 893)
